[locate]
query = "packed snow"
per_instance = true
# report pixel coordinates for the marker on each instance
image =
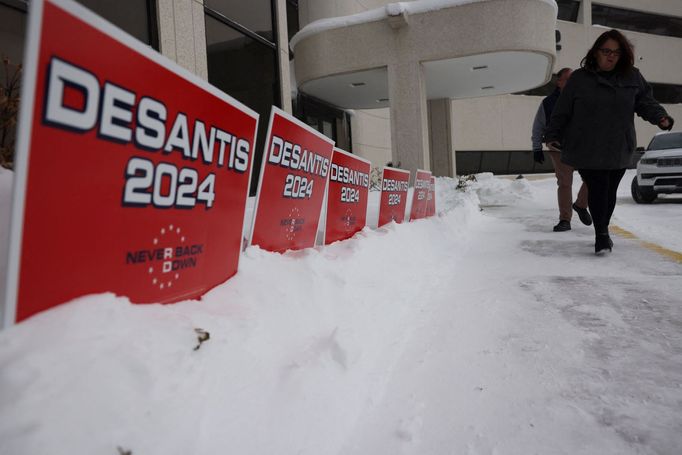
(477, 331)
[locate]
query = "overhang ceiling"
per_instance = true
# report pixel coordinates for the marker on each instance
(472, 76)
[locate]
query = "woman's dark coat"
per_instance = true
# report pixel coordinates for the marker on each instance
(593, 119)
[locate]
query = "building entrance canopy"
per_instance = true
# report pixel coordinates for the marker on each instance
(468, 48)
(494, 73)
(405, 53)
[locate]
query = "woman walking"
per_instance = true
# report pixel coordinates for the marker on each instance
(593, 124)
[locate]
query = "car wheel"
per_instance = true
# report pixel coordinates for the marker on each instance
(642, 194)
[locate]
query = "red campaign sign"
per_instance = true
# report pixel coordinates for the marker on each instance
(132, 173)
(346, 196)
(394, 185)
(431, 198)
(422, 180)
(292, 184)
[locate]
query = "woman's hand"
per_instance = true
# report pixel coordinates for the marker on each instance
(666, 123)
(554, 146)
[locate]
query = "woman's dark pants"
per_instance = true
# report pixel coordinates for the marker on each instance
(602, 186)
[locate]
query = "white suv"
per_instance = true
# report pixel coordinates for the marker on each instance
(660, 168)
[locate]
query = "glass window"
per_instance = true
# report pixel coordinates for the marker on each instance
(137, 18)
(636, 21)
(12, 31)
(255, 15)
(312, 121)
(247, 70)
(666, 142)
(241, 66)
(292, 18)
(568, 10)
(328, 129)
(325, 118)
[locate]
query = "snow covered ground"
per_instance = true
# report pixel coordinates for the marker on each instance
(473, 332)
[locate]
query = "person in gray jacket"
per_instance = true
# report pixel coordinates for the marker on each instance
(563, 172)
(593, 124)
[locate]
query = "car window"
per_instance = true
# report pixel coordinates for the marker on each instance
(666, 142)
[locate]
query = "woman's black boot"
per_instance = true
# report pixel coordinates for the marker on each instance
(602, 244)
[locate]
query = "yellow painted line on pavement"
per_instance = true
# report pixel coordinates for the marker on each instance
(674, 255)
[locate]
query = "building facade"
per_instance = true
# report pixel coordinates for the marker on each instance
(240, 47)
(493, 134)
(422, 100)
(413, 58)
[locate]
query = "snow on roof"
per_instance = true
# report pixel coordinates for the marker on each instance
(378, 14)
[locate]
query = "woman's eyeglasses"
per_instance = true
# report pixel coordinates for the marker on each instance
(607, 52)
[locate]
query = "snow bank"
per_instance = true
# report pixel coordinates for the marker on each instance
(496, 191)
(305, 345)
(299, 344)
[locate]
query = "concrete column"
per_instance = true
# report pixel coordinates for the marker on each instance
(440, 138)
(409, 119)
(182, 34)
(585, 13)
(283, 54)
